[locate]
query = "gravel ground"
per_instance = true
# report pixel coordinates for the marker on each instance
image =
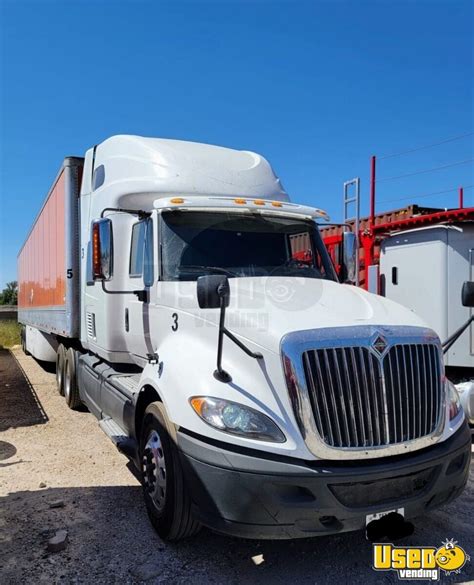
(52, 455)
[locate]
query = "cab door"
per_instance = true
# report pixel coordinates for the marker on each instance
(141, 278)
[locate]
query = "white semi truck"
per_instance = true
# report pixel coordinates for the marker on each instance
(196, 313)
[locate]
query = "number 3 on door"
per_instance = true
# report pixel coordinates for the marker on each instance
(174, 327)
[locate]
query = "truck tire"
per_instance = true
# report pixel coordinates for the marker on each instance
(166, 494)
(60, 359)
(71, 391)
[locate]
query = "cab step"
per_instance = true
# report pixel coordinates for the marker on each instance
(128, 383)
(117, 435)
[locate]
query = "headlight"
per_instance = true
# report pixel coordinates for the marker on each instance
(236, 419)
(453, 400)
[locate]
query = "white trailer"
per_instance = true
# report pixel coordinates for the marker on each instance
(255, 393)
(424, 269)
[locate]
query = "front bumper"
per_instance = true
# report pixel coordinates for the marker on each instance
(254, 497)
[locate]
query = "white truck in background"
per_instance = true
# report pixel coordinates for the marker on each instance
(424, 270)
(196, 313)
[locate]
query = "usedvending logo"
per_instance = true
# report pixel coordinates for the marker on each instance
(420, 562)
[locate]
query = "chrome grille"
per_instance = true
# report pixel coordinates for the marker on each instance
(360, 399)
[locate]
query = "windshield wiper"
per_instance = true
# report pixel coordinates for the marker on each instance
(198, 268)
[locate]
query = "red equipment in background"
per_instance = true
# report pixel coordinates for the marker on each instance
(373, 229)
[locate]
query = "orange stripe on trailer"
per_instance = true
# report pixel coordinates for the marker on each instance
(41, 263)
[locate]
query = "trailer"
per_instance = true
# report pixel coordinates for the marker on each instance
(193, 308)
(48, 267)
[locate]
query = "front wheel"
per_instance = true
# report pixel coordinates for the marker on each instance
(166, 495)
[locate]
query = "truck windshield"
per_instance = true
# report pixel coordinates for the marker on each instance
(194, 243)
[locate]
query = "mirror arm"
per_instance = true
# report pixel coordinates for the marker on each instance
(142, 295)
(219, 373)
(446, 345)
(256, 355)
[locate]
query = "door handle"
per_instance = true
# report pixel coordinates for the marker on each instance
(127, 322)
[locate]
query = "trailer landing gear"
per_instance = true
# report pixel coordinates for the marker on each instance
(23, 341)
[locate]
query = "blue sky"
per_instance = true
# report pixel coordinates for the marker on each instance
(317, 87)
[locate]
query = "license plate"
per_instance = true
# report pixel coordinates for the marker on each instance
(371, 517)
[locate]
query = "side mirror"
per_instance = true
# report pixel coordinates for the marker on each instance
(468, 294)
(102, 249)
(349, 260)
(211, 290)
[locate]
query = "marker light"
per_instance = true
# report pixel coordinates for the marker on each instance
(259, 202)
(96, 252)
(240, 201)
(277, 204)
(177, 200)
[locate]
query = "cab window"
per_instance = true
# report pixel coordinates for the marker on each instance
(141, 251)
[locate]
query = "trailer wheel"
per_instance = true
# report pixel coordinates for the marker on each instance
(60, 359)
(71, 390)
(166, 494)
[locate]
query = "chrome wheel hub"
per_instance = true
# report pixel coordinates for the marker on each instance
(67, 380)
(154, 470)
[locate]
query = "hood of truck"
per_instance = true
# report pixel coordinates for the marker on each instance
(263, 310)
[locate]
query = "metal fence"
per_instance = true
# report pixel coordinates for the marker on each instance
(8, 313)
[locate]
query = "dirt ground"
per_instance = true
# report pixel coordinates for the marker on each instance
(51, 455)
